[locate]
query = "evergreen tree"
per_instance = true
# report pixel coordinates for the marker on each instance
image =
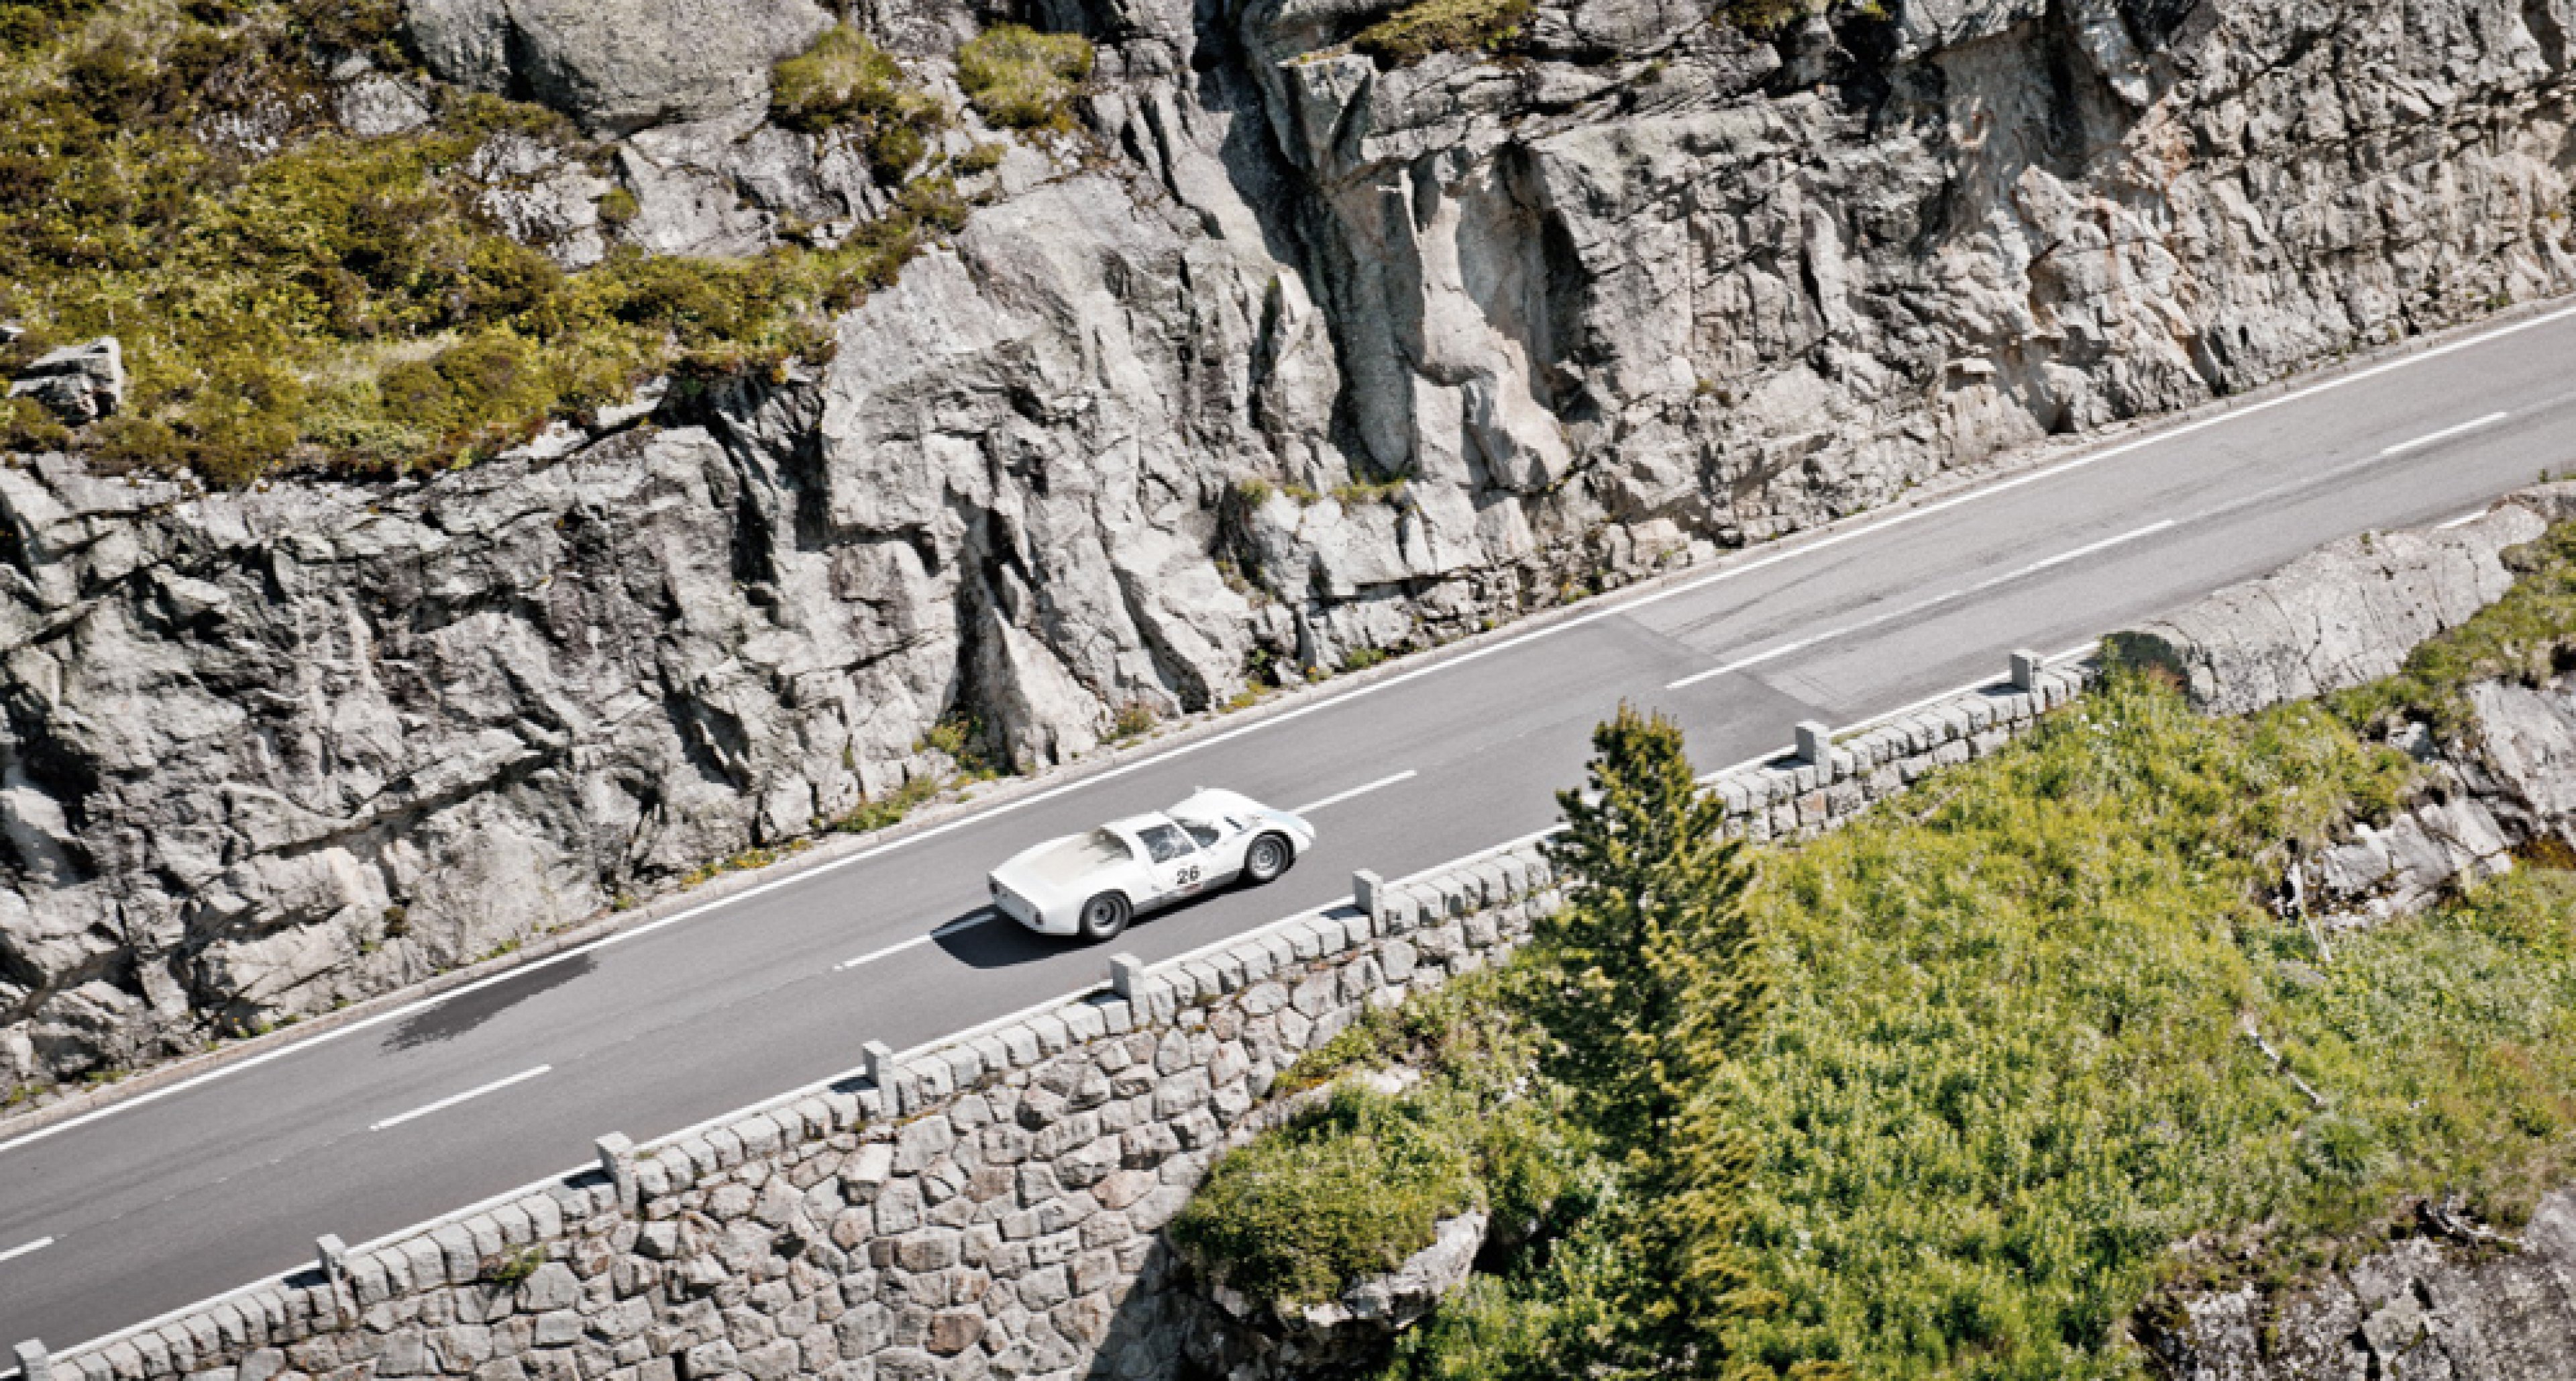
(1650, 968)
(1649, 985)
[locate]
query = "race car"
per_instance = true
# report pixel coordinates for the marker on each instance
(1092, 884)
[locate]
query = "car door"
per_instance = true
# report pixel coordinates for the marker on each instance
(1179, 865)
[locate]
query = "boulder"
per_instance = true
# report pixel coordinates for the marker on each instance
(2342, 615)
(78, 383)
(617, 66)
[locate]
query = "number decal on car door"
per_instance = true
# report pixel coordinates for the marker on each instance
(1188, 876)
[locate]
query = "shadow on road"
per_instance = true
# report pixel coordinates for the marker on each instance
(995, 941)
(457, 1015)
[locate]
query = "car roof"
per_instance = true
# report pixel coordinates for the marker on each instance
(1135, 824)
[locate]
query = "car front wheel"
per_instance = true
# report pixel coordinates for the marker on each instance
(1104, 916)
(1267, 858)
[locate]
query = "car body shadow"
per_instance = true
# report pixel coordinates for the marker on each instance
(986, 939)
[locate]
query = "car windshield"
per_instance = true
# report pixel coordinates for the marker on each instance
(1206, 834)
(1164, 842)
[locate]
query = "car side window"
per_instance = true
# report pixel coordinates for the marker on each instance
(1164, 842)
(1205, 834)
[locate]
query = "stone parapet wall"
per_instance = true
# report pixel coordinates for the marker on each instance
(986, 1206)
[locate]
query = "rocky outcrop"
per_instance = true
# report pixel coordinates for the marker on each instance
(616, 65)
(2345, 614)
(78, 383)
(1301, 356)
(1350, 1333)
(2460, 1300)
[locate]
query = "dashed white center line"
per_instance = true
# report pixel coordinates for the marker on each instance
(917, 941)
(36, 1246)
(1919, 606)
(2446, 433)
(445, 1103)
(1340, 796)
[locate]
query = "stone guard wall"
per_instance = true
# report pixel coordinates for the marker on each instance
(986, 1207)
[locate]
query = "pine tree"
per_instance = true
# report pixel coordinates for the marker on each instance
(1651, 958)
(1650, 985)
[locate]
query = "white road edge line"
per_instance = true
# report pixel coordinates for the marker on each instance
(2463, 520)
(1805, 548)
(1340, 796)
(2445, 434)
(452, 1100)
(36, 1246)
(1757, 659)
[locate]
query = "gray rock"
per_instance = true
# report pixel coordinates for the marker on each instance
(2449, 1303)
(2345, 614)
(375, 104)
(78, 383)
(620, 66)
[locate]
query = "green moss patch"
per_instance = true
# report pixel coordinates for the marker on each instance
(1019, 78)
(294, 297)
(1359, 1183)
(1443, 26)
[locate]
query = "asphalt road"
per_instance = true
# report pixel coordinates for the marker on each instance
(154, 1205)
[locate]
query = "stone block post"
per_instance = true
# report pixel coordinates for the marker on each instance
(1126, 975)
(2026, 667)
(617, 1162)
(1815, 743)
(34, 1363)
(332, 1255)
(1364, 890)
(880, 1066)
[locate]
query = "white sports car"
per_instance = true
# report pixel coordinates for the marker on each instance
(1091, 884)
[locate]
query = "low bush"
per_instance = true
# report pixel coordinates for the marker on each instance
(1019, 78)
(1443, 26)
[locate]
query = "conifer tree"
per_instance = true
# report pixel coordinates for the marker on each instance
(1650, 964)
(1650, 986)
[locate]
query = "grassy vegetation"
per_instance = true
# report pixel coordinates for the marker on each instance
(846, 82)
(1019, 78)
(2005, 1069)
(1443, 26)
(1360, 1182)
(2528, 636)
(303, 298)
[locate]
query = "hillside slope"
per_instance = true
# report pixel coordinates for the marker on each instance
(1268, 352)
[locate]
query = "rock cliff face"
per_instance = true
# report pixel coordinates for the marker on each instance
(2458, 1301)
(1646, 287)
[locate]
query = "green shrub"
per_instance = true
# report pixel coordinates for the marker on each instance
(618, 208)
(841, 79)
(2002, 1074)
(1351, 1188)
(1443, 26)
(1134, 719)
(1022, 79)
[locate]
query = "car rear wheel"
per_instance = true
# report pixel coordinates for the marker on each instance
(1104, 916)
(1267, 858)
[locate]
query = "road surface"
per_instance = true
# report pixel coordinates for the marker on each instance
(111, 1219)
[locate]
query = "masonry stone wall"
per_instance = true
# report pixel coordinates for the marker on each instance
(990, 1206)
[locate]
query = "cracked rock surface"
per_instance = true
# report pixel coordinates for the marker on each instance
(2457, 1304)
(1300, 357)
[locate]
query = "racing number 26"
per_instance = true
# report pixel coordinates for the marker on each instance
(1188, 876)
